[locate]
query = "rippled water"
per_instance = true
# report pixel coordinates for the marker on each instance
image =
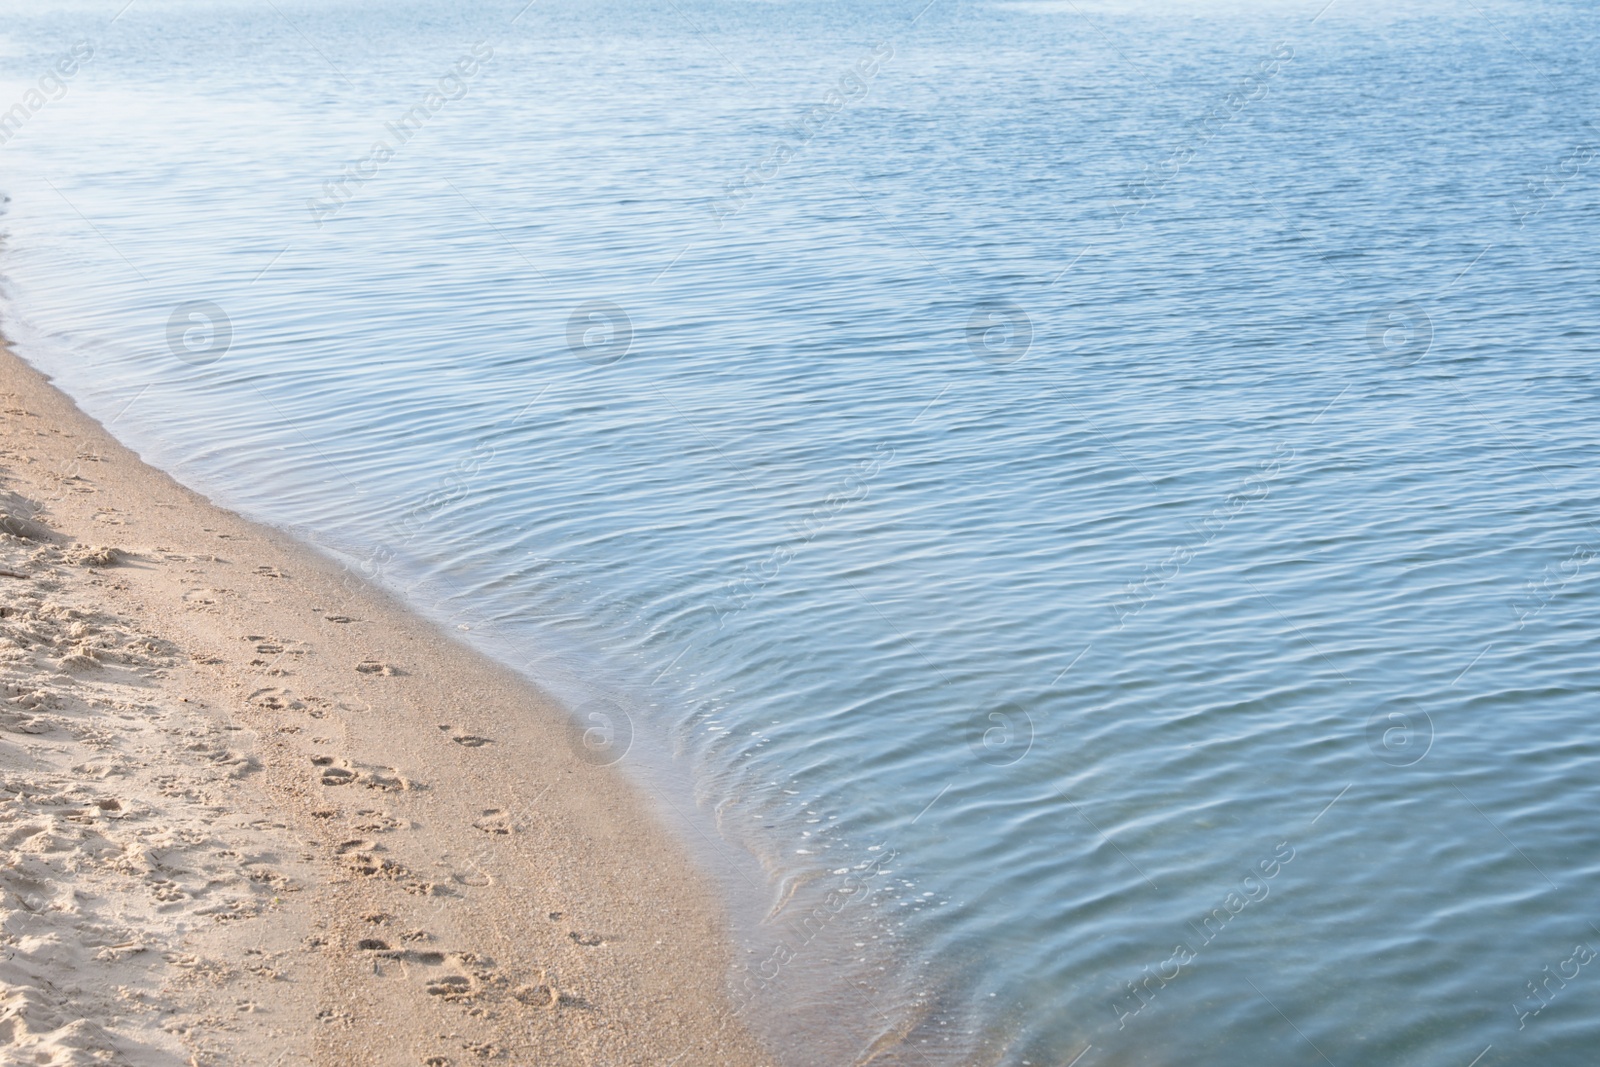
(1090, 529)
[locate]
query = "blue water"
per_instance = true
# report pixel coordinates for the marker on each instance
(1089, 532)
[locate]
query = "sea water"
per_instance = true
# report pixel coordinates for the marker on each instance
(1082, 513)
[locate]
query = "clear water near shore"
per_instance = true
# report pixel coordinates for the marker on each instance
(1104, 454)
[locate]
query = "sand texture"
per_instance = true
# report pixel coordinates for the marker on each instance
(253, 812)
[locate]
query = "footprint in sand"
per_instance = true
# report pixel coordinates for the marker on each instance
(539, 994)
(450, 986)
(374, 821)
(372, 666)
(361, 857)
(467, 978)
(358, 844)
(275, 699)
(494, 821)
(268, 645)
(471, 740)
(334, 775)
(205, 599)
(334, 772)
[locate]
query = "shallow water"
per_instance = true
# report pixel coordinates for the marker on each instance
(1111, 503)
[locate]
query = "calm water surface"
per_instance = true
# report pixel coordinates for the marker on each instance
(1089, 529)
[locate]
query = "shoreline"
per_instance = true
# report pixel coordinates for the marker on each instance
(255, 811)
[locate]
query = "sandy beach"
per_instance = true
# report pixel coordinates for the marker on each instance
(253, 812)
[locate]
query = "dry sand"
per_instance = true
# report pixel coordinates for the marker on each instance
(253, 812)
